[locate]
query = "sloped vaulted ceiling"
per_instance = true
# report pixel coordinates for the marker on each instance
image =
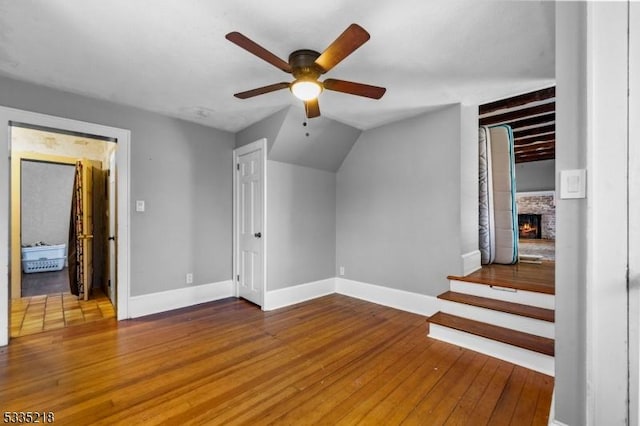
(321, 143)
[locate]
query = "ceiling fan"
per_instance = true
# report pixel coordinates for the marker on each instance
(308, 65)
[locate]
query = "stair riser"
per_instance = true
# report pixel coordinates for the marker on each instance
(502, 319)
(526, 358)
(530, 298)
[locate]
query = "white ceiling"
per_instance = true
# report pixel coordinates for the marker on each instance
(170, 56)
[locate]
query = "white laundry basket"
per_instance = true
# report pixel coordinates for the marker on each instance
(43, 258)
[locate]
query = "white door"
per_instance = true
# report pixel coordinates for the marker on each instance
(249, 205)
(111, 226)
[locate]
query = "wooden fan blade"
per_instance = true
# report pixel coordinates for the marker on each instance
(312, 108)
(359, 89)
(352, 38)
(262, 53)
(261, 90)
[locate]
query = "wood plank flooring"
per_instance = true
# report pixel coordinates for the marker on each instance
(522, 276)
(333, 360)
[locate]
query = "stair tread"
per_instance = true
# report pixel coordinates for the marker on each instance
(530, 286)
(528, 341)
(500, 305)
(538, 278)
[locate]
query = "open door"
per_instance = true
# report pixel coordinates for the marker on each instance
(81, 232)
(111, 254)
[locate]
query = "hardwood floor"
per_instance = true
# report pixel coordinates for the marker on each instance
(523, 276)
(333, 360)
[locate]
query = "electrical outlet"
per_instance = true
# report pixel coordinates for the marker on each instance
(189, 278)
(342, 271)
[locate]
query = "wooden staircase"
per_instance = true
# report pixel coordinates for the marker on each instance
(503, 311)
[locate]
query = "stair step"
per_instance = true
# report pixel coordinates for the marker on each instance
(501, 282)
(531, 342)
(500, 305)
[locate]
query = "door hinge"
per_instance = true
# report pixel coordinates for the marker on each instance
(238, 166)
(238, 278)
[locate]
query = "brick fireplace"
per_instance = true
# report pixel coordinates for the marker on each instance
(542, 204)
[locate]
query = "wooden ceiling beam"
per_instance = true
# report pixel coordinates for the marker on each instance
(535, 157)
(538, 95)
(533, 139)
(534, 145)
(535, 151)
(538, 120)
(533, 126)
(534, 131)
(518, 114)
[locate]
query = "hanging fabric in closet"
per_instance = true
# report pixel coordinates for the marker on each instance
(76, 246)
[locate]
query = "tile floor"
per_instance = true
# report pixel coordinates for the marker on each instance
(34, 314)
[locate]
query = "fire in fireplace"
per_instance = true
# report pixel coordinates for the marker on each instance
(530, 225)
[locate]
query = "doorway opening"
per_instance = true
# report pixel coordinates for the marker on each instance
(61, 199)
(10, 264)
(531, 116)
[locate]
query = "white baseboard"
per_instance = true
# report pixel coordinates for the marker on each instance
(524, 357)
(280, 298)
(471, 262)
(552, 411)
(393, 298)
(154, 303)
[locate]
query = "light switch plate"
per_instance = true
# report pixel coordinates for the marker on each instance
(573, 184)
(139, 205)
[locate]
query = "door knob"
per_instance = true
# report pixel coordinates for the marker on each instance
(257, 235)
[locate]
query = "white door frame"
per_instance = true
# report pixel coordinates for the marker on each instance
(608, 225)
(123, 137)
(634, 213)
(261, 145)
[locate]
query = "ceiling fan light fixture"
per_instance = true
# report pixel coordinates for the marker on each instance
(306, 90)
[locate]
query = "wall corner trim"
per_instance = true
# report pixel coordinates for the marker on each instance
(421, 304)
(287, 296)
(154, 303)
(471, 262)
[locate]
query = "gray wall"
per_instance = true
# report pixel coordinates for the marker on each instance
(536, 176)
(46, 202)
(301, 225)
(467, 148)
(183, 172)
(398, 204)
(571, 215)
